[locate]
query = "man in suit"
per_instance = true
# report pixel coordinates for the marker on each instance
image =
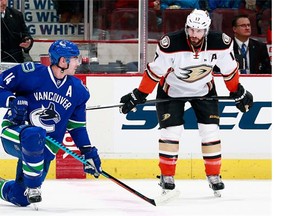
(15, 37)
(252, 55)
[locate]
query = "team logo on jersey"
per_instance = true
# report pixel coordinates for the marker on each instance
(165, 42)
(28, 67)
(40, 117)
(165, 116)
(192, 74)
(226, 39)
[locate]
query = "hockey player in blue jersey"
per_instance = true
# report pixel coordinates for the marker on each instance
(43, 101)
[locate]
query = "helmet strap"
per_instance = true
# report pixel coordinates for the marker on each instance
(62, 69)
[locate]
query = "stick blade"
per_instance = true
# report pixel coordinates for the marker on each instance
(167, 197)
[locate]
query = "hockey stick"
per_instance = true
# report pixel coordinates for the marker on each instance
(154, 202)
(163, 100)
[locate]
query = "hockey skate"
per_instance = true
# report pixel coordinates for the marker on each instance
(169, 193)
(216, 184)
(33, 195)
(167, 183)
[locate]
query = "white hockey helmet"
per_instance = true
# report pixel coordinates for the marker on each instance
(198, 19)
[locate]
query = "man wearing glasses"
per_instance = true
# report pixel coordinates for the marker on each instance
(252, 55)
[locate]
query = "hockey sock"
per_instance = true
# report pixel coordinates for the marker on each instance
(2, 183)
(212, 166)
(33, 143)
(168, 155)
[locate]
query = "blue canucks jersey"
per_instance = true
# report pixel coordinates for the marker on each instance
(55, 105)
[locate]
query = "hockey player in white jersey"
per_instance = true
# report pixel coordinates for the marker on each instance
(183, 67)
(43, 101)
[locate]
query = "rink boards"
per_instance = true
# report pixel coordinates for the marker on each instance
(128, 144)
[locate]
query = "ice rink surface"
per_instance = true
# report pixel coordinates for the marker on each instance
(103, 197)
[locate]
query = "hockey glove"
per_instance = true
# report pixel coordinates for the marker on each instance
(18, 112)
(243, 98)
(93, 166)
(131, 100)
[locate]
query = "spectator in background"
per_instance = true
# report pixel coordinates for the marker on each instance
(250, 4)
(252, 55)
(204, 5)
(233, 4)
(263, 4)
(69, 10)
(179, 4)
(16, 40)
(264, 13)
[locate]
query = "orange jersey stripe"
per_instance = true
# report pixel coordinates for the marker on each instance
(148, 82)
(232, 80)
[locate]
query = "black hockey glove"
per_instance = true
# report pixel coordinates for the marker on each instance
(131, 100)
(93, 166)
(243, 98)
(18, 112)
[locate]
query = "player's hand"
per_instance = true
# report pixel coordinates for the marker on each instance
(93, 165)
(131, 100)
(18, 112)
(243, 98)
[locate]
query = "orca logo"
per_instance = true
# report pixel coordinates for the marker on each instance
(45, 117)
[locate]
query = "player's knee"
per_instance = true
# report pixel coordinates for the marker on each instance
(171, 133)
(33, 139)
(209, 132)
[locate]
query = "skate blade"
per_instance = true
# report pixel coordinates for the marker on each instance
(217, 193)
(167, 196)
(35, 206)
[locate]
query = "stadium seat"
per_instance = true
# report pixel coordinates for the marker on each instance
(124, 24)
(222, 20)
(265, 20)
(104, 13)
(174, 19)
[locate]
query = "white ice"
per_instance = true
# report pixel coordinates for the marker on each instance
(103, 197)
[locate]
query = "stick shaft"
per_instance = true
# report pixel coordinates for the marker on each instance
(105, 174)
(163, 100)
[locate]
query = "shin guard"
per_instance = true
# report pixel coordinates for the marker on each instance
(211, 148)
(33, 144)
(168, 149)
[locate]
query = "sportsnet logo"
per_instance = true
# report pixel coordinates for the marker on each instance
(248, 121)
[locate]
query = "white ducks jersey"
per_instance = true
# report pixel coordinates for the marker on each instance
(184, 71)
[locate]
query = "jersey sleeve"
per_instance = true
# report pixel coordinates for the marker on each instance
(155, 70)
(17, 78)
(5, 93)
(77, 122)
(229, 69)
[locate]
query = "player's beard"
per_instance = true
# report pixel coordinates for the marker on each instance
(195, 42)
